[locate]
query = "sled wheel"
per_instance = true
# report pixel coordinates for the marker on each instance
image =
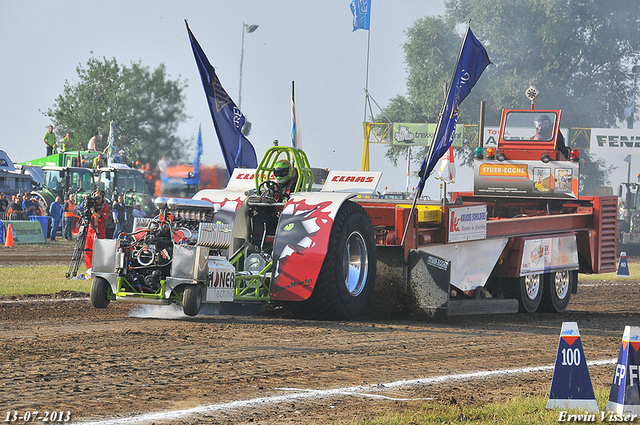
(345, 282)
(557, 290)
(529, 292)
(191, 300)
(100, 292)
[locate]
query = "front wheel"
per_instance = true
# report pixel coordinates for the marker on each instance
(345, 283)
(192, 300)
(100, 294)
(528, 291)
(557, 290)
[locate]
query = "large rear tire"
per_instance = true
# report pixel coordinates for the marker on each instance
(191, 300)
(528, 291)
(100, 294)
(345, 282)
(557, 290)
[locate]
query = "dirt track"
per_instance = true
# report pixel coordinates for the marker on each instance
(100, 364)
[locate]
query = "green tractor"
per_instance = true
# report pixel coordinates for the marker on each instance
(120, 179)
(81, 159)
(61, 181)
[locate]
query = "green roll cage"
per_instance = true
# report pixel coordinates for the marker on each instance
(295, 156)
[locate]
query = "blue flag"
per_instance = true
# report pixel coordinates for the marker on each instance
(361, 10)
(227, 118)
(196, 159)
(472, 61)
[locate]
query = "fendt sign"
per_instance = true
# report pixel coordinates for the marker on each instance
(606, 141)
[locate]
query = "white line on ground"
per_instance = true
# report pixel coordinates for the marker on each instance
(302, 394)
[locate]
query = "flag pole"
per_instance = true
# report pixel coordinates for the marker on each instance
(293, 124)
(408, 168)
(433, 142)
(366, 80)
(431, 147)
(365, 125)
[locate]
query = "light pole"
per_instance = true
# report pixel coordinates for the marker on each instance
(248, 28)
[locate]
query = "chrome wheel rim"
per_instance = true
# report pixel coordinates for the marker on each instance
(532, 286)
(355, 264)
(561, 284)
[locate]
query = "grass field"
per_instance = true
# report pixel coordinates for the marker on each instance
(39, 280)
(51, 280)
(634, 272)
(516, 411)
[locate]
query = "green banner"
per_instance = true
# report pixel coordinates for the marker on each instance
(25, 232)
(412, 134)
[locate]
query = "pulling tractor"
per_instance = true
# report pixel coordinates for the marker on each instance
(251, 242)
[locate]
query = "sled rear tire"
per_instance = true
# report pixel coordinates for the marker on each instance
(528, 291)
(557, 290)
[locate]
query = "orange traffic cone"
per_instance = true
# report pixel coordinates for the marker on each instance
(8, 240)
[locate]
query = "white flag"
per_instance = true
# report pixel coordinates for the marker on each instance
(110, 146)
(628, 111)
(408, 169)
(448, 167)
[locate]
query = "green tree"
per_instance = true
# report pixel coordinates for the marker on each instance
(577, 53)
(430, 51)
(145, 106)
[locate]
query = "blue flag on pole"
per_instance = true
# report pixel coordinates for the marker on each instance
(227, 118)
(472, 61)
(361, 10)
(296, 138)
(196, 159)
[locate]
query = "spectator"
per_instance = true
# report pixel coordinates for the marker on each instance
(114, 155)
(98, 162)
(55, 211)
(149, 178)
(67, 144)
(69, 217)
(162, 165)
(138, 212)
(36, 204)
(119, 216)
(27, 205)
(16, 207)
(93, 142)
(4, 203)
(99, 213)
(50, 140)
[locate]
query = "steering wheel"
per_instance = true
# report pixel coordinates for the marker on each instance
(268, 190)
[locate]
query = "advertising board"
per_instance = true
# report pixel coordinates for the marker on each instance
(467, 223)
(535, 179)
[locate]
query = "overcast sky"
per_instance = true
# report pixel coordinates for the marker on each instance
(311, 43)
